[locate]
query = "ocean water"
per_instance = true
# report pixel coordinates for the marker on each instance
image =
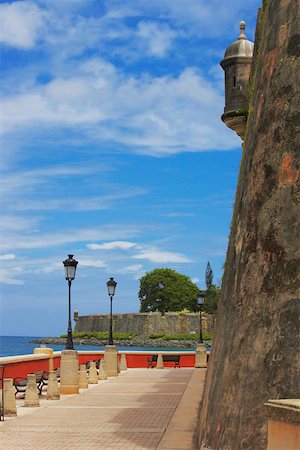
(19, 345)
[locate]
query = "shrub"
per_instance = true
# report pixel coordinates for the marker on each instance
(99, 335)
(207, 336)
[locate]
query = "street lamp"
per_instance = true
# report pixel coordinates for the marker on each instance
(111, 286)
(200, 302)
(70, 269)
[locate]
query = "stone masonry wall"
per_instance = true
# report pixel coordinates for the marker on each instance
(255, 355)
(145, 324)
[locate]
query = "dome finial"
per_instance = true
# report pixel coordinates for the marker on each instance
(242, 28)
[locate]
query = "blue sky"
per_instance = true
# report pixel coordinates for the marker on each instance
(112, 149)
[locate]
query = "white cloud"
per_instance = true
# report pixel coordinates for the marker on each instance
(24, 191)
(197, 17)
(122, 245)
(68, 236)
(7, 277)
(157, 37)
(195, 280)
(6, 257)
(134, 268)
(159, 256)
(153, 115)
(77, 204)
(177, 214)
(91, 263)
(21, 24)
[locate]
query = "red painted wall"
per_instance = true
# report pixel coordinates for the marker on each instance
(23, 368)
(134, 360)
(90, 357)
(139, 361)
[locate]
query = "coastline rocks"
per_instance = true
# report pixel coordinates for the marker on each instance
(135, 342)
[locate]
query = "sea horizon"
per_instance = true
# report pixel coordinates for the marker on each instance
(21, 345)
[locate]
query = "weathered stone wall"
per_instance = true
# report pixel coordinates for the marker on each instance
(256, 347)
(145, 324)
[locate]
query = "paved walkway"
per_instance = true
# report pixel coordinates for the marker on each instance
(139, 409)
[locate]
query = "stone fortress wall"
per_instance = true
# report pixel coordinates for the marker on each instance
(145, 324)
(256, 343)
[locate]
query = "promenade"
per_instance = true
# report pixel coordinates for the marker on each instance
(139, 409)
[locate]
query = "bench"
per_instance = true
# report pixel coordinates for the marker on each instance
(88, 364)
(175, 359)
(21, 382)
(45, 378)
(41, 381)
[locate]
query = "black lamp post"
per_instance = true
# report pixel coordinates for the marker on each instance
(70, 269)
(111, 286)
(200, 302)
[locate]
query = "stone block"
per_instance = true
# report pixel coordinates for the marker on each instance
(52, 388)
(160, 361)
(200, 360)
(123, 363)
(10, 406)
(111, 360)
(83, 379)
(93, 376)
(69, 378)
(31, 393)
(102, 374)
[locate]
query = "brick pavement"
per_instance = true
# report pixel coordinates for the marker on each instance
(139, 409)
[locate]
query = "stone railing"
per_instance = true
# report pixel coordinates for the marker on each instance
(283, 424)
(22, 365)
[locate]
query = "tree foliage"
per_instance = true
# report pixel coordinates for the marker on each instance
(212, 296)
(178, 292)
(209, 276)
(212, 293)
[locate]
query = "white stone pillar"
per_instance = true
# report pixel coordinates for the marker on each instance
(31, 393)
(102, 374)
(10, 405)
(93, 376)
(69, 378)
(160, 361)
(83, 379)
(46, 351)
(111, 360)
(200, 357)
(52, 388)
(123, 363)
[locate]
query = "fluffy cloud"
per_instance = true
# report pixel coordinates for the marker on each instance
(91, 263)
(7, 277)
(46, 240)
(133, 268)
(197, 17)
(157, 37)
(163, 257)
(116, 245)
(152, 115)
(7, 257)
(21, 24)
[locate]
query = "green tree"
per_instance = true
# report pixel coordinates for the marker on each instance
(209, 276)
(212, 296)
(167, 290)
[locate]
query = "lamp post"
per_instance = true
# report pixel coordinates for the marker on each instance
(111, 286)
(200, 302)
(70, 269)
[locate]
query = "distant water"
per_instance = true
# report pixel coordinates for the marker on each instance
(19, 345)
